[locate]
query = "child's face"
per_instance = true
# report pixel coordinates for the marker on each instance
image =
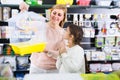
(68, 38)
(67, 34)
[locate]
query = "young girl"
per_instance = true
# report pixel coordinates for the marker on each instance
(71, 60)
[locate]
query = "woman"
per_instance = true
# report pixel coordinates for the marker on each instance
(72, 60)
(45, 62)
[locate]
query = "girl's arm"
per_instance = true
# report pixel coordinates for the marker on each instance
(74, 62)
(58, 62)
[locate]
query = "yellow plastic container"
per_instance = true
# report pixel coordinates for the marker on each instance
(23, 48)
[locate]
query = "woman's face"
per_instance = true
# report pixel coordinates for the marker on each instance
(57, 15)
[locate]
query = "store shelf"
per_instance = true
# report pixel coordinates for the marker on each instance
(103, 61)
(50, 5)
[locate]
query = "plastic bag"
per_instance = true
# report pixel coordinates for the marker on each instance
(24, 25)
(5, 70)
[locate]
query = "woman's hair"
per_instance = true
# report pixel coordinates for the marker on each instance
(64, 8)
(77, 32)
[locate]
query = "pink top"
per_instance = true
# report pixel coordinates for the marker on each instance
(55, 41)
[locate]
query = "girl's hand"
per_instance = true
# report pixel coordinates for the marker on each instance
(62, 50)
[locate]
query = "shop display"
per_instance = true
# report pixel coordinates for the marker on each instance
(100, 31)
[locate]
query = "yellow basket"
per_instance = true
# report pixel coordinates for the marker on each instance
(23, 48)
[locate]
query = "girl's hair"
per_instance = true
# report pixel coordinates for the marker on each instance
(64, 8)
(77, 32)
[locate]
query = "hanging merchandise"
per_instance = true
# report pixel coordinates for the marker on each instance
(117, 41)
(104, 30)
(95, 23)
(66, 2)
(115, 53)
(110, 41)
(87, 22)
(6, 13)
(80, 19)
(99, 42)
(75, 19)
(107, 50)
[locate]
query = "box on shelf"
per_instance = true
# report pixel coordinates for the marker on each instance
(11, 1)
(83, 2)
(103, 2)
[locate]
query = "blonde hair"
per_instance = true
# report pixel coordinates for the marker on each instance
(64, 8)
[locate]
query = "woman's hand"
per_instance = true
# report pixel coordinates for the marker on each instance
(23, 7)
(45, 51)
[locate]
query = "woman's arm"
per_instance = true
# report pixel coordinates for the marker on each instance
(55, 53)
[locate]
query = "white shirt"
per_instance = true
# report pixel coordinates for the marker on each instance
(72, 62)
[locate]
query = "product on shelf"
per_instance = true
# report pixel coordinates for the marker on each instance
(67, 2)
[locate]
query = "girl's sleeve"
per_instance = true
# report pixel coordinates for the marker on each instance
(58, 62)
(75, 62)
